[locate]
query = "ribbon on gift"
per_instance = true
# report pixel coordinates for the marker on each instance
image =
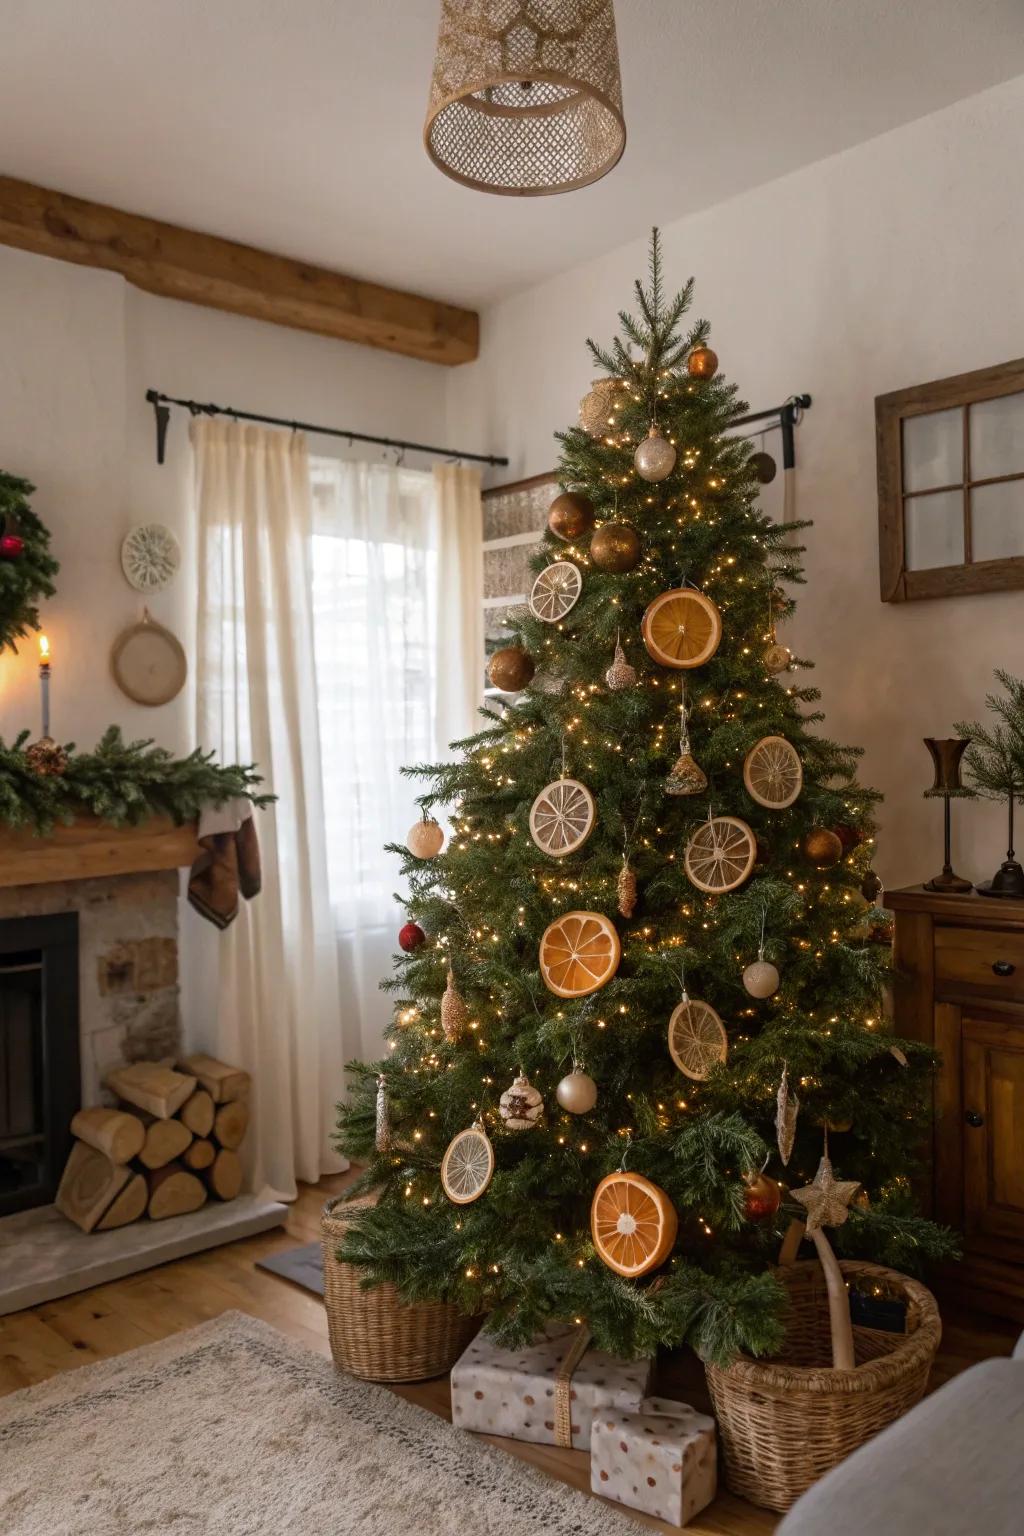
(563, 1386)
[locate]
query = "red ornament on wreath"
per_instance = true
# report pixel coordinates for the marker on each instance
(762, 1196)
(411, 936)
(11, 546)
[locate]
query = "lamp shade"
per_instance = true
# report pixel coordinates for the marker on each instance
(946, 754)
(526, 97)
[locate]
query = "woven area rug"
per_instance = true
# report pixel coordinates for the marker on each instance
(232, 1429)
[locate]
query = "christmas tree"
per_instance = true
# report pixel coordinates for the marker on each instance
(642, 982)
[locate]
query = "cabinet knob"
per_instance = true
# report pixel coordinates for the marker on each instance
(1003, 967)
(974, 1120)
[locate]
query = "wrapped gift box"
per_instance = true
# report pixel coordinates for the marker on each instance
(518, 1392)
(661, 1459)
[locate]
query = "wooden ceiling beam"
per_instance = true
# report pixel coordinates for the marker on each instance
(221, 274)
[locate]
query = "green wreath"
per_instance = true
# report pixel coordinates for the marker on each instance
(26, 565)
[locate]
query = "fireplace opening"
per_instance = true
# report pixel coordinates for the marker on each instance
(40, 1086)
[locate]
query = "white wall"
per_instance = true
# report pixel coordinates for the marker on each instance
(893, 263)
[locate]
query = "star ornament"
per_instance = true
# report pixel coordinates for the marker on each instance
(826, 1199)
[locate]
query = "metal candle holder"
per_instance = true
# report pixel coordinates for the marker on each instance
(946, 755)
(1008, 879)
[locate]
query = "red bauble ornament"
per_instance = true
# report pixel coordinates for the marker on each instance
(11, 547)
(762, 1196)
(850, 837)
(411, 936)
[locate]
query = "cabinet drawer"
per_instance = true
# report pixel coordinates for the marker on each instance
(984, 961)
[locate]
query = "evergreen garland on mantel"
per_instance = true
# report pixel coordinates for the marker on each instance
(121, 782)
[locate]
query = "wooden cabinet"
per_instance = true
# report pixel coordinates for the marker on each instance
(959, 985)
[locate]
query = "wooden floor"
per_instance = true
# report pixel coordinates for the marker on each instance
(96, 1324)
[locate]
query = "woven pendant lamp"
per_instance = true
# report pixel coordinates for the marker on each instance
(526, 97)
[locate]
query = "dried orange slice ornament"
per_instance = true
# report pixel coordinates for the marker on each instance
(555, 592)
(720, 854)
(773, 773)
(697, 1040)
(579, 953)
(682, 628)
(468, 1165)
(633, 1224)
(562, 817)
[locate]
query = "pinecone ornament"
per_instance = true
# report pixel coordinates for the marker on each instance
(620, 674)
(625, 889)
(454, 1013)
(47, 758)
(384, 1139)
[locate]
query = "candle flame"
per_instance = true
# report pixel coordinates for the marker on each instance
(44, 648)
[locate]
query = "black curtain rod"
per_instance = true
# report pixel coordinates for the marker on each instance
(788, 414)
(162, 403)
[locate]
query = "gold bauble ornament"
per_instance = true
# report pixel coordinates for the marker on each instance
(570, 515)
(686, 777)
(822, 848)
(521, 1106)
(620, 674)
(511, 669)
(577, 1092)
(615, 547)
(625, 890)
(598, 406)
(776, 657)
(425, 839)
(47, 758)
(454, 1013)
(702, 363)
(655, 457)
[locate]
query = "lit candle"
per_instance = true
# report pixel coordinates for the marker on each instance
(44, 681)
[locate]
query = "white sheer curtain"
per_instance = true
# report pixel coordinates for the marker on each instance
(340, 638)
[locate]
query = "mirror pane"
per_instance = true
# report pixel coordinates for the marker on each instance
(997, 437)
(934, 530)
(997, 520)
(933, 450)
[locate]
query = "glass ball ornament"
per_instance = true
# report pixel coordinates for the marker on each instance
(597, 408)
(702, 363)
(822, 848)
(410, 937)
(521, 1106)
(777, 657)
(570, 516)
(511, 669)
(655, 457)
(762, 1196)
(11, 546)
(425, 839)
(577, 1092)
(615, 547)
(761, 978)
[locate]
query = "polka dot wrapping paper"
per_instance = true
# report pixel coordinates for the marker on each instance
(661, 1460)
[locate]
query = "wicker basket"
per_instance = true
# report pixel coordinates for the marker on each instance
(376, 1335)
(783, 1423)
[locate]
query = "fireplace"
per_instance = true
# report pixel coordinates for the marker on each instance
(40, 1076)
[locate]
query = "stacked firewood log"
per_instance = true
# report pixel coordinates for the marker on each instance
(170, 1144)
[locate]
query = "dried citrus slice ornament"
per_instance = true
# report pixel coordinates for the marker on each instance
(579, 952)
(468, 1165)
(555, 592)
(682, 628)
(633, 1224)
(697, 1040)
(562, 817)
(720, 854)
(773, 773)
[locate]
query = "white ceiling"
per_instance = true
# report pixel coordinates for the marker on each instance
(296, 125)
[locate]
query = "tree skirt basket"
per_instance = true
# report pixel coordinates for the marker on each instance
(374, 1334)
(783, 1423)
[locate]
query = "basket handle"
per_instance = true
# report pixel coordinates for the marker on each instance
(838, 1304)
(791, 1243)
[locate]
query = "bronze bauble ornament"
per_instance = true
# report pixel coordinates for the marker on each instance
(702, 363)
(615, 547)
(598, 406)
(764, 467)
(425, 839)
(620, 674)
(511, 669)
(822, 848)
(570, 515)
(655, 457)
(47, 758)
(577, 1092)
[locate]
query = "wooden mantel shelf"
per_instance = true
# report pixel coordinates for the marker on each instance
(89, 848)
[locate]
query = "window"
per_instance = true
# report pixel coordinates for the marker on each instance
(951, 485)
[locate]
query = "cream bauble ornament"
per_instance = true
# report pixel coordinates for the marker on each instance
(577, 1092)
(521, 1106)
(597, 408)
(425, 839)
(761, 979)
(655, 457)
(776, 657)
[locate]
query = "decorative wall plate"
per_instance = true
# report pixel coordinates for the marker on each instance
(148, 663)
(150, 556)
